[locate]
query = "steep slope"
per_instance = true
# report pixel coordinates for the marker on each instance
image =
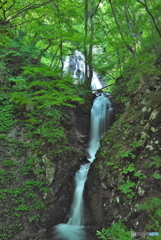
(125, 181)
(42, 140)
(37, 183)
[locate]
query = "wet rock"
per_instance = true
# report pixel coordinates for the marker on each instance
(153, 114)
(140, 191)
(134, 140)
(50, 168)
(50, 172)
(103, 185)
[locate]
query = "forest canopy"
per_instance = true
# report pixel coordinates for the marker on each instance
(121, 41)
(118, 38)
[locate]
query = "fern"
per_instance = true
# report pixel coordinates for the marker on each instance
(156, 161)
(116, 231)
(127, 187)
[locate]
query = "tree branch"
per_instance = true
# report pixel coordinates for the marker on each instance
(54, 57)
(45, 49)
(29, 21)
(3, 10)
(153, 19)
(10, 6)
(95, 9)
(31, 6)
(103, 87)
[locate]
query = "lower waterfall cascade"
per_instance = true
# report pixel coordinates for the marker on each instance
(101, 113)
(100, 120)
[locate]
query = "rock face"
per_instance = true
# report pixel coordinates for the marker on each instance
(125, 179)
(37, 184)
(126, 173)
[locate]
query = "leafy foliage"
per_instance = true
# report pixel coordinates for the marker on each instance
(6, 115)
(44, 89)
(116, 231)
(127, 188)
(152, 206)
(20, 197)
(35, 38)
(156, 161)
(43, 93)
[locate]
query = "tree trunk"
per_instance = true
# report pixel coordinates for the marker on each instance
(91, 49)
(85, 39)
(131, 49)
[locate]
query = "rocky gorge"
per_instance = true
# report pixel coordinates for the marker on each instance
(58, 169)
(122, 181)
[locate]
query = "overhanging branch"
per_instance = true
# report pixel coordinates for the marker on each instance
(103, 87)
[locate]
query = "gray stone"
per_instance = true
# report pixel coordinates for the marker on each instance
(153, 129)
(103, 185)
(153, 114)
(150, 147)
(147, 91)
(144, 109)
(50, 172)
(50, 169)
(140, 191)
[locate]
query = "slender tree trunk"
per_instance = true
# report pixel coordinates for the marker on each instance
(44, 50)
(91, 48)
(111, 43)
(85, 39)
(130, 26)
(88, 53)
(61, 62)
(51, 64)
(61, 57)
(131, 49)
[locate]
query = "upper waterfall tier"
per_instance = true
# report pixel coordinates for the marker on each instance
(76, 65)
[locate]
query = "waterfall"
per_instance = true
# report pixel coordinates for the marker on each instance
(100, 118)
(100, 121)
(76, 65)
(76, 215)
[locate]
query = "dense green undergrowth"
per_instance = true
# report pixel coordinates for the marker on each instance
(21, 193)
(116, 231)
(33, 103)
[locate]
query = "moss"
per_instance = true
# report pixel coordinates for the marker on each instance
(21, 195)
(154, 99)
(97, 210)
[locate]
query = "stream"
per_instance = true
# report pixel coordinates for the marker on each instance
(101, 113)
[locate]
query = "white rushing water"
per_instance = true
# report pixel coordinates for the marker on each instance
(99, 123)
(76, 65)
(76, 215)
(100, 116)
